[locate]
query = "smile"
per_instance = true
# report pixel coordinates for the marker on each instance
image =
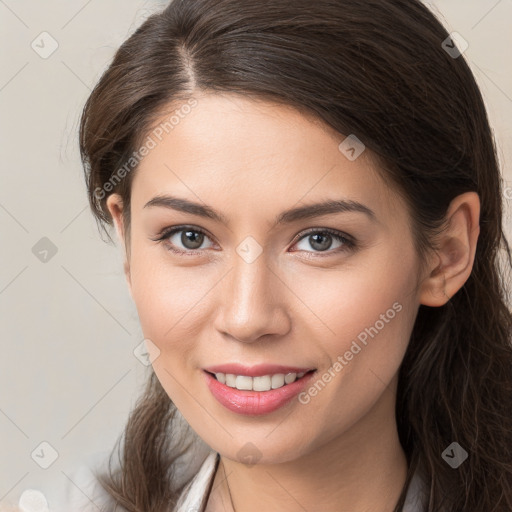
(253, 396)
(262, 383)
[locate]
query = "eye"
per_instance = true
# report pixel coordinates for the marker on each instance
(190, 238)
(322, 239)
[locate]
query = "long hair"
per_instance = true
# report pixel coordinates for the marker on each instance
(382, 70)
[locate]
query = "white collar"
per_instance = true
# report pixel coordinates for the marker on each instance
(195, 492)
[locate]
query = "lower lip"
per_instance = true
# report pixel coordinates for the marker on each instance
(253, 403)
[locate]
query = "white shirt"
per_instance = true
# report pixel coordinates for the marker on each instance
(83, 493)
(195, 492)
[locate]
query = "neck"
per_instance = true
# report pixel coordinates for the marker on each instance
(363, 469)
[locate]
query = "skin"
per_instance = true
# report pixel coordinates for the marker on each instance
(251, 160)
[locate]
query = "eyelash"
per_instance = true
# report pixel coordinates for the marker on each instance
(349, 244)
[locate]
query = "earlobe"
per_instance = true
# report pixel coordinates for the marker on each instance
(455, 253)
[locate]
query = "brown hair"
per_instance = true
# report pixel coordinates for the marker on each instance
(377, 69)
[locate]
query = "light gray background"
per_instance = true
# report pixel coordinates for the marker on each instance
(68, 375)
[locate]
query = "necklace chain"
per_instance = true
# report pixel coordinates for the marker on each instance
(229, 490)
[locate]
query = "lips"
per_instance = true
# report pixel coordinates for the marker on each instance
(254, 403)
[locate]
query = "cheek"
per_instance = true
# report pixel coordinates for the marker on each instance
(372, 304)
(370, 315)
(352, 299)
(168, 301)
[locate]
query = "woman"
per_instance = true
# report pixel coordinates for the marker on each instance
(310, 206)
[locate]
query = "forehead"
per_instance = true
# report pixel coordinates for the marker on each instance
(246, 154)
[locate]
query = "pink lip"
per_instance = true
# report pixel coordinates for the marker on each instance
(253, 403)
(255, 371)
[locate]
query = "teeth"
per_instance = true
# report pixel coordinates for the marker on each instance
(263, 383)
(277, 380)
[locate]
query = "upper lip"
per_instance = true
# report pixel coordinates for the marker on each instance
(256, 370)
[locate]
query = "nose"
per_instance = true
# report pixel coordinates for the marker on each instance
(253, 302)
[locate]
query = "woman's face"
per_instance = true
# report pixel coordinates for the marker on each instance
(255, 291)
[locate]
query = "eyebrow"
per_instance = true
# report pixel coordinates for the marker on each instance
(286, 217)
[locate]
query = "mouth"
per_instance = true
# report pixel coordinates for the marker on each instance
(261, 382)
(260, 394)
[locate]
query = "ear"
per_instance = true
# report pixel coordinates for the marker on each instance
(115, 206)
(453, 260)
